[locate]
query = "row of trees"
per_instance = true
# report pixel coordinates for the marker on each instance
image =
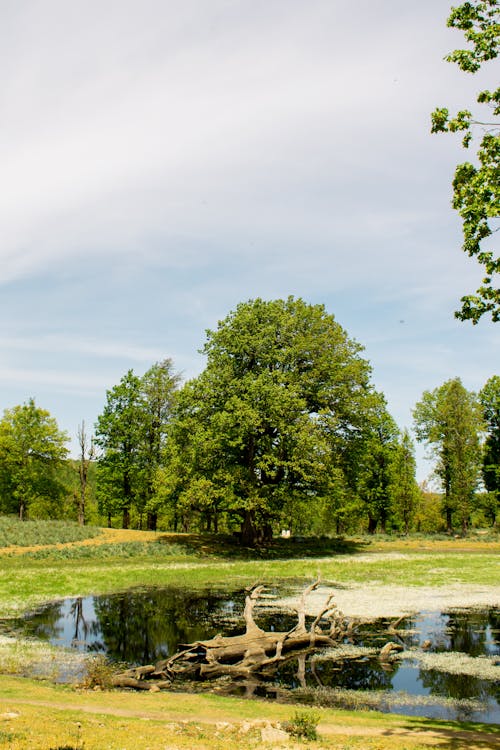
(283, 428)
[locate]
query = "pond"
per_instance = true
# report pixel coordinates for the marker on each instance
(447, 655)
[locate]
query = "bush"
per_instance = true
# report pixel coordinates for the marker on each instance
(99, 673)
(303, 725)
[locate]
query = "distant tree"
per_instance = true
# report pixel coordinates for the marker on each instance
(158, 388)
(429, 511)
(32, 448)
(86, 456)
(131, 433)
(449, 420)
(489, 397)
(405, 492)
(284, 388)
(375, 469)
(476, 194)
(118, 434)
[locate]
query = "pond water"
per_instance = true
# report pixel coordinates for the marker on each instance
(143, 626)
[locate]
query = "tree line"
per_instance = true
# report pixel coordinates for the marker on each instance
(283, 429)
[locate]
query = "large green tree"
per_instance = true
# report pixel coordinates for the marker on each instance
(32, 449)
(489, 397)
(449, 419)
(263, 426)
(476, 193)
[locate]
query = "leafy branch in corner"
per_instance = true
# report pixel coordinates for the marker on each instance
(476, 194)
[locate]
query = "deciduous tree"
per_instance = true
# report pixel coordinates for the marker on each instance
(118, 434)
(32, 448)
(489, 397)
(283, 390)
(404, 489)
(131, 432)
(86, 456)
(476, 194)
(375, 467)
(449, 420)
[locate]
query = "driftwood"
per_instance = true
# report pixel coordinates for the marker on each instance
(250, 654)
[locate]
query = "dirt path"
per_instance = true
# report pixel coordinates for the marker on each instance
(11, 708)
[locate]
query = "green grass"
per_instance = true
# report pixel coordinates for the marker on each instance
(196, 561)
(31, 533)
(49, 716)
(26, 581)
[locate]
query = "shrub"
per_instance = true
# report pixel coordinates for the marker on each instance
(99, 673)
(303, 724)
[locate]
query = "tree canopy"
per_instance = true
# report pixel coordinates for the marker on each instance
(131, 433)
(265, 424)
(449, 419)
(31, 450)
(489, 397)
(476, 194)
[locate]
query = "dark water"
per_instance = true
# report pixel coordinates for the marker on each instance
(140, 627)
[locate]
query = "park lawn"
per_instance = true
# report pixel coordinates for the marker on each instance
(106, 565)
(39, 716)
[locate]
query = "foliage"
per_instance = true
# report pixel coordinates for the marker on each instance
(490, 402)
(405, 493)
(429, 513)
(131, 433)
(117, 434)
(475, 187)
(98, 672)
(375, 465)
(303, 725)
(449, 419)
(283, 395)
(32, 449)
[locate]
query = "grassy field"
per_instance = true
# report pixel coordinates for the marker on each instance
(40, 716)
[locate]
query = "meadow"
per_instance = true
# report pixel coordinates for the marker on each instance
(56, 562)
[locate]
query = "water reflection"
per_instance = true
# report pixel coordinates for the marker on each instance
(143, 626)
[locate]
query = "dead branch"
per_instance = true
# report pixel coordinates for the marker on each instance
(250, 653)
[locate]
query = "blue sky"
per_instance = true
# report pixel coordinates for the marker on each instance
(163, 161)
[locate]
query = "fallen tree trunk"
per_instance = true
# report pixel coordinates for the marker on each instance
(254, 651)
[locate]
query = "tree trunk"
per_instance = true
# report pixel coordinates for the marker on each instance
(126, 518)
(81, 508)
(372, 525)
(449, 524)
(248, 531)
(152, 521)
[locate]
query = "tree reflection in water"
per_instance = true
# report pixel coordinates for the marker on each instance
(144, 626)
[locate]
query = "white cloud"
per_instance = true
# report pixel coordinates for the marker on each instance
(53, 344)
(163, 161)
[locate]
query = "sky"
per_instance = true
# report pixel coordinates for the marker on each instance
(163, 161)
